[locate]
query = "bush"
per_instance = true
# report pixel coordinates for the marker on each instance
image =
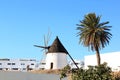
(65, 71)
(116, 75)
(102, 72)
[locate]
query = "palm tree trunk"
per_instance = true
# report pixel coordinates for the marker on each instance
(98, 57)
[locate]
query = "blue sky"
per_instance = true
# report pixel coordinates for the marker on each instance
(23, 23)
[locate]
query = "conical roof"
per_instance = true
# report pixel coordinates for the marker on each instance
(57, 47)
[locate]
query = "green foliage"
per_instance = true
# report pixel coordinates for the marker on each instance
(64, 71)
(102, 72)
(93, 33)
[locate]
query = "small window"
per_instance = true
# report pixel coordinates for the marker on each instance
(32, 64)
(14, 68)
(9, 64)
(43, 63)
(24, 68)
(22, 63)
(13, 63)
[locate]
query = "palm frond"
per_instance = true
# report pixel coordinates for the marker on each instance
(92, 33)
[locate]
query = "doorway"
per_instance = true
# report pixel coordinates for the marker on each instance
(51, 65)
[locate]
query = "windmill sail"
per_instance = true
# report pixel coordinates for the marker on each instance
(44, 47)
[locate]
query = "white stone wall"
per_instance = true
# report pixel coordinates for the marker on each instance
(112, 59)
(17, 64)
(59, 60)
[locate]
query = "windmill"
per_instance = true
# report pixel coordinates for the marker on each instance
(56, 47)
(45, 47)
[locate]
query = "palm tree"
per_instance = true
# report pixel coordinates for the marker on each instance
(93, 34)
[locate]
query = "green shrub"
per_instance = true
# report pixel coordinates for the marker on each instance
(65, 71)
(102, 72)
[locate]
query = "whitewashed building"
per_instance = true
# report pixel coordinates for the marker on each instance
(112, 60)
(41, 65)
(17, 64)
(79, 63)
(56, 57)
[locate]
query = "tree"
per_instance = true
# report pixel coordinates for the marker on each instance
(93, 34)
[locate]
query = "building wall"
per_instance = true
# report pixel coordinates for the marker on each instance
(79, 63)
(112, 60)
(17, 64)
(59, 60)
(42, 64)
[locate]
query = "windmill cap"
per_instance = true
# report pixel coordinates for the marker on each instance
(57, 47)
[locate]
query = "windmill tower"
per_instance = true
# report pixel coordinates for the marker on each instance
(56, 57)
